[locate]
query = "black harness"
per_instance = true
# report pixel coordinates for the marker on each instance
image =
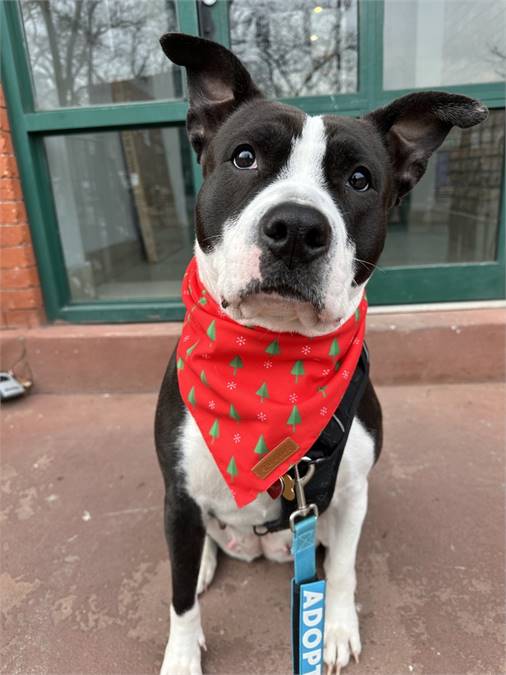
(327, 452)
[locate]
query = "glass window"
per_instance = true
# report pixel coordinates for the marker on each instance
(452, 215)
(433, 43)
(124, 201)
(85, 52)
(297, 48)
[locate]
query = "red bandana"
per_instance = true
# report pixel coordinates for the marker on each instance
(260, 399)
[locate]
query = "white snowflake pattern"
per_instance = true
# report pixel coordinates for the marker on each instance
(206, 356)
(306, 350)
(237, 438)
(231, 385)
(346, 374)
(293, 398)
(323, 411)
(212, 405)
(267, 364)
(241, 340)
(325, 371)
(262, 417)
(186, 338)
(356, 341)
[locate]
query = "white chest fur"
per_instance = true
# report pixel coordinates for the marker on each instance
(206, 485)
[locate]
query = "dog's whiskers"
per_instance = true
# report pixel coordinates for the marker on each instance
(371, 265)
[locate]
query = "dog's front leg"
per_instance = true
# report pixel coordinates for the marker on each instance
(344, 524)
(185, 538)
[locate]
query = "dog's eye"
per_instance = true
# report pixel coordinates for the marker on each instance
(360, 179)
(244, 157)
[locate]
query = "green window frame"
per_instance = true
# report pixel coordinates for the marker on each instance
(395, 285)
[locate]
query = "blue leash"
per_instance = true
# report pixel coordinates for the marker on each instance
(308, 592)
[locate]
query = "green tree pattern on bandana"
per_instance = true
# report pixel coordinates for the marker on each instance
(214, 431)
(262, 392)
(273, 348)
(334, 348)
(203, 377)
(294, 418)
(297, 370)
(236, 363)
(232, 468)
(191, 396)
(261, 446)
(190, 349)
(234, 414)
(211, 331)
(180, 364)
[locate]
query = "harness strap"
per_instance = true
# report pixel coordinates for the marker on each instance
(327, 451)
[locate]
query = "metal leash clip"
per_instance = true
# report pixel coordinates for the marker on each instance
(303, 508)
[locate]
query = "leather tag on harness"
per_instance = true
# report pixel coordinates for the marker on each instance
(275, 458)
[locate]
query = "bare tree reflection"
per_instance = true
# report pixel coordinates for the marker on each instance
(78, 46)
(498, 60)
(297, 48)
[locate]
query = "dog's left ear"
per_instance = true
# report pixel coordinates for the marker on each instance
(218, 83)
(414, 126)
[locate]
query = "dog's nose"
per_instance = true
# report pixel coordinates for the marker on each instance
(295, 234)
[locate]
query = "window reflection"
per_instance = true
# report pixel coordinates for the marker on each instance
(124, 202)
(443, 42)
(297, 48)
(86, 52)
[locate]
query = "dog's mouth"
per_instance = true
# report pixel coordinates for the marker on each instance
(270, 302)
(294, 292)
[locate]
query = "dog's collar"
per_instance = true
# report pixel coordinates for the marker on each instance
(260, 399)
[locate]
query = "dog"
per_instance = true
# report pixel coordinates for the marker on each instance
(290, 222)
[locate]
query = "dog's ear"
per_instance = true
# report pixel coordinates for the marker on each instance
(414, 126)
(218, 83)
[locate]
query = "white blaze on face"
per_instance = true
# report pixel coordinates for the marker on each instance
(235, 261)
(305, 163)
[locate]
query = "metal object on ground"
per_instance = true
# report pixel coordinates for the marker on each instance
(10, 387)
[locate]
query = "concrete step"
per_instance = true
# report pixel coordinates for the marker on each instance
(415, 347)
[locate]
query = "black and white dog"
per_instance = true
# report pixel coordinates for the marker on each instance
(328, 183)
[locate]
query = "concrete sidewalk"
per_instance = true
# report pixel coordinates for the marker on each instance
(85, 578)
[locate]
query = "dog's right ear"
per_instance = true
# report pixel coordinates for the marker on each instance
(218, 83)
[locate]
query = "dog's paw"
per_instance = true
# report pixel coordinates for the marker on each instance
(277, 546)
(182, 660)
(182, 654)
(342, 637)
(207, 565)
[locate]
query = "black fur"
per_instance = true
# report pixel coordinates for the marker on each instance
(183, 525)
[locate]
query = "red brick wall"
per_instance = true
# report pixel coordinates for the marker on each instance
(20, 296)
